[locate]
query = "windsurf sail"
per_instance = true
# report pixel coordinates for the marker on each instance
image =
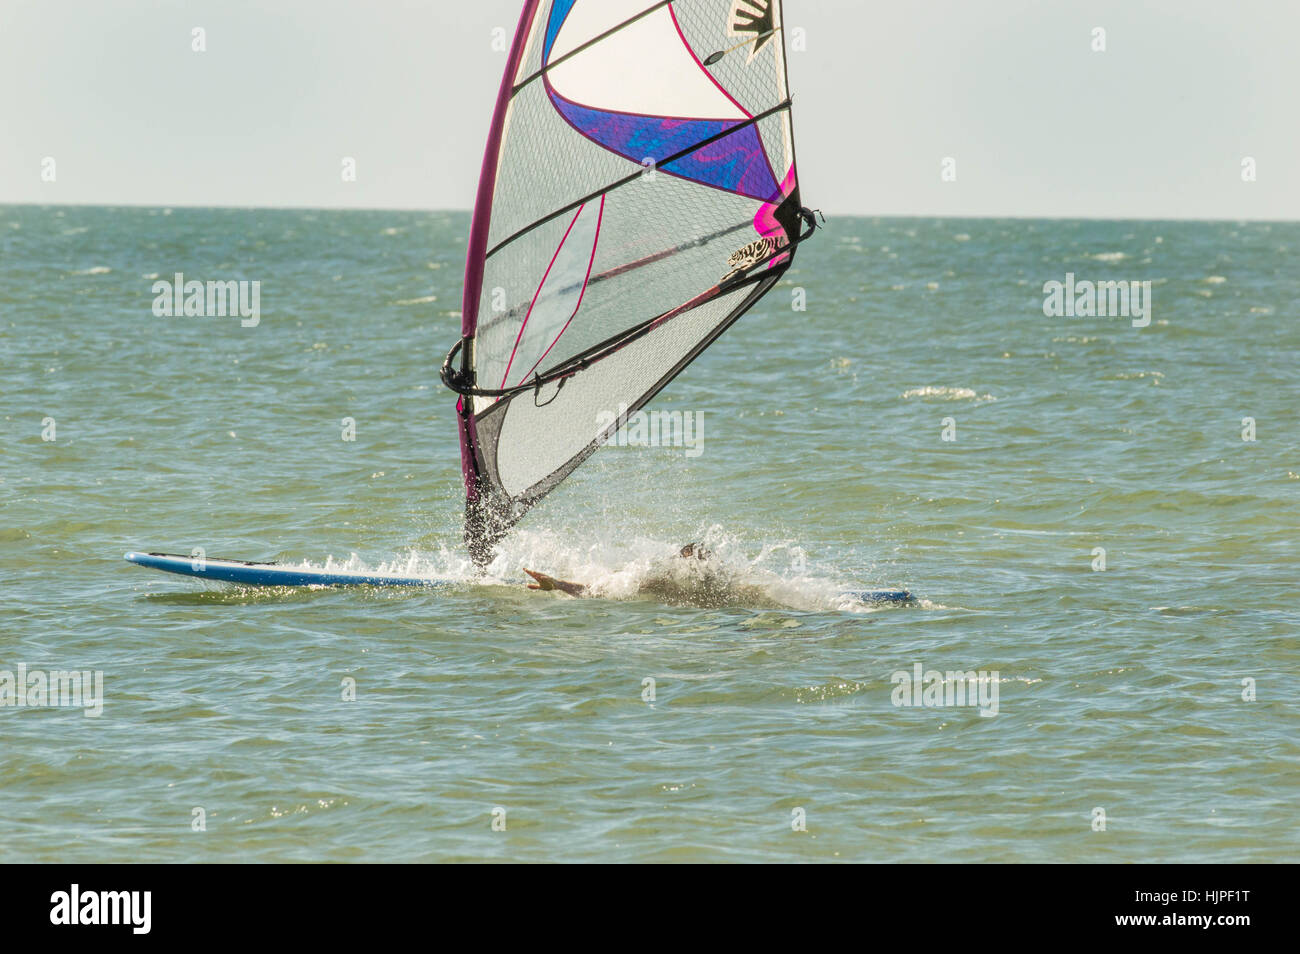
(638, 195)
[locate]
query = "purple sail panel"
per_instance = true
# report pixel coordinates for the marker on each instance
(734, 163)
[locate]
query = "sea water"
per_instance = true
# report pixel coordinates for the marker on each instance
(1097, 514)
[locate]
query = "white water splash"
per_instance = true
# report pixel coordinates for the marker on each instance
(639, 568)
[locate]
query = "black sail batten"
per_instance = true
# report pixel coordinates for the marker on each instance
(458, 382)
(595, 275)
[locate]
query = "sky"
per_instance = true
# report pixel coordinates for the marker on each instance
(1039, 123)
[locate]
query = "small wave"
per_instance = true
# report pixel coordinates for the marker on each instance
(427, 299)
(834, 689)
(1108, 257)
(97, 270)
(947, 394)
(1134, 375)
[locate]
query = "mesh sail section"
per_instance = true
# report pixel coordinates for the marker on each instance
(752, 69)
(662, 241)
(545, 165)
(513, 280)
(539, 434)
(640, 160)
(778, 141)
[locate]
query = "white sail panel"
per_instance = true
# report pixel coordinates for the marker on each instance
(644, 68)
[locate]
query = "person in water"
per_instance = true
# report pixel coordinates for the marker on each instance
(691, 577)
(671, 582)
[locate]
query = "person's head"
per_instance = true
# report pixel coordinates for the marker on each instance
(693, 550)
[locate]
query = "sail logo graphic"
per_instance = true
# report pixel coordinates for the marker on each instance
(683, 429)
(74, 907)
(56, 689)
(754, 20)
(756, 252)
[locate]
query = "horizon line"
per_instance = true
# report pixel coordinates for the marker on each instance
(469, 211)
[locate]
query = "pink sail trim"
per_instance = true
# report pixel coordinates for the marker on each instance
(537, 294)
(600, 217)
(765, 222)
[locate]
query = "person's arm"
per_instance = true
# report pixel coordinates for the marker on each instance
(545, 582)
